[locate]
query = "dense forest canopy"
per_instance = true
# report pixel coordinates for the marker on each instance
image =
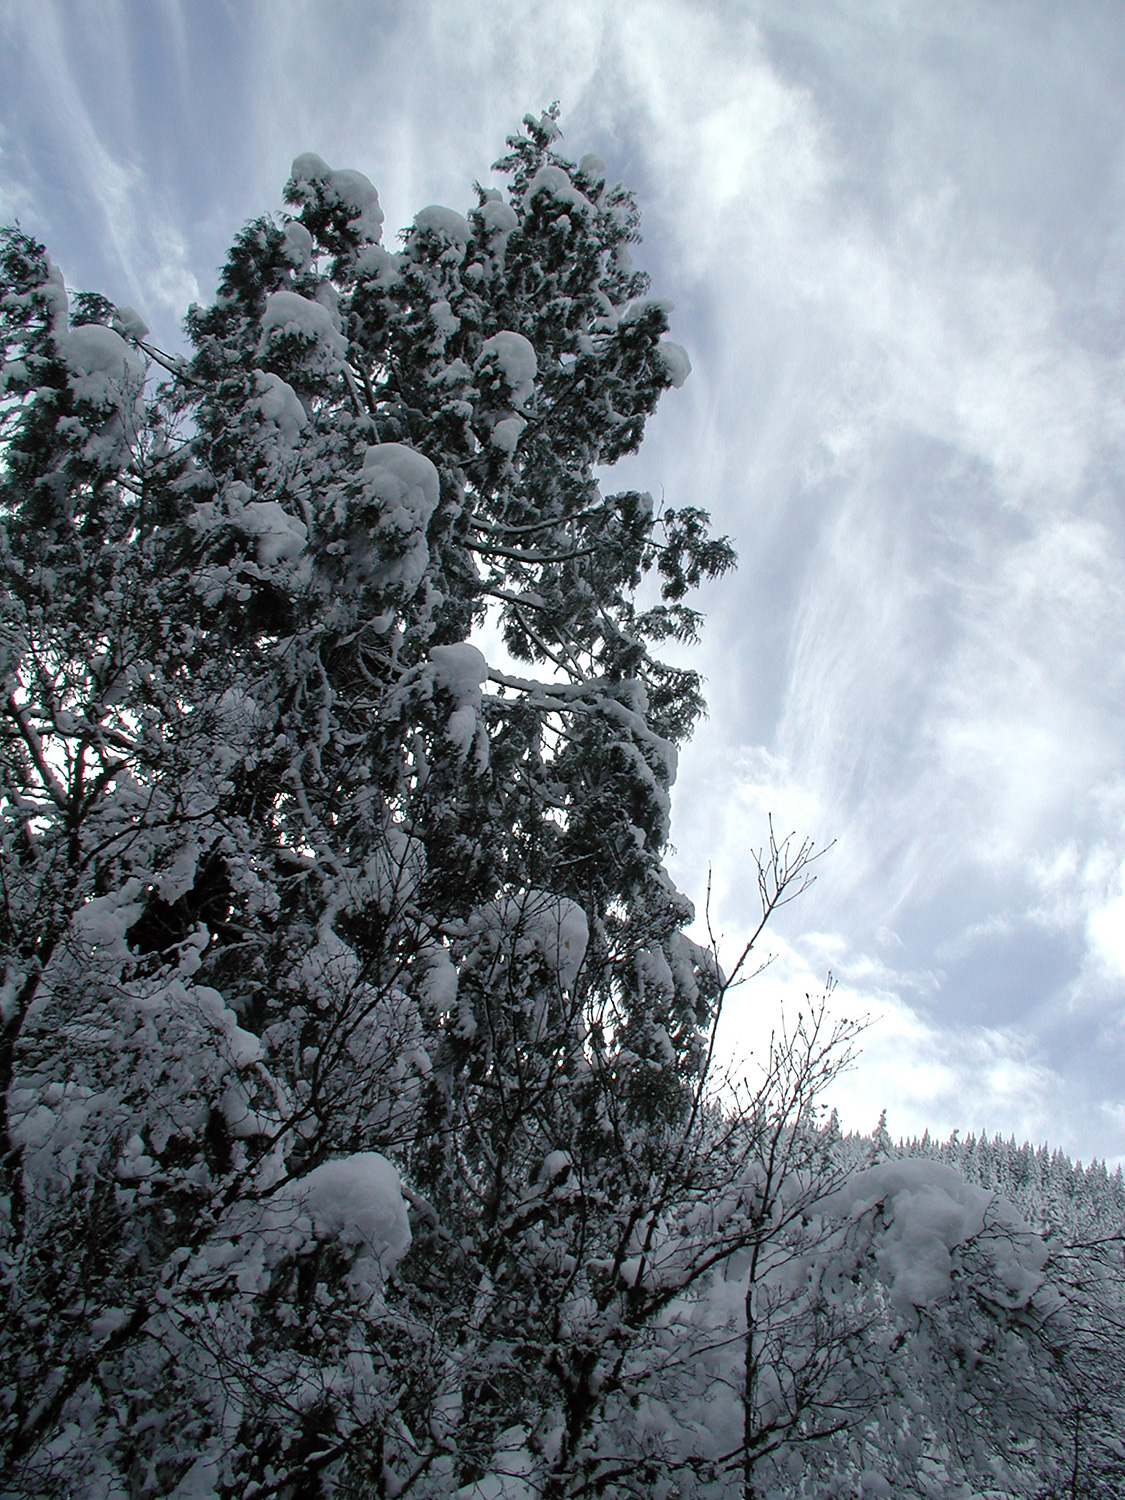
(362, 1129)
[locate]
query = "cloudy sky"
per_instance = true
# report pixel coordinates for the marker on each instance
(895, 236)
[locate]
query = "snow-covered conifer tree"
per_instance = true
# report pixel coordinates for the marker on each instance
(295, 883)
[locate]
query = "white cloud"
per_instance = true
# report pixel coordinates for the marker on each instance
(926, 1076)
(1105, 928)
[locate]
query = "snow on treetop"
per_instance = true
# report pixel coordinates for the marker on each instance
(53, 292)
(351, 189)
(446, 221)
(516, 358)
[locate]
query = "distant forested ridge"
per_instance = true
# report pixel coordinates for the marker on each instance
(362, 1128)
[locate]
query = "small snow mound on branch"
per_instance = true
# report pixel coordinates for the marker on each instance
(507, 433)
(407, 483)
(498, 216)
(201, 1482)
(928, 1211)
(445, 221)
(279, 536)
(460, 670)
(357, 1200)
(101, 362)
(555, 926)
(516, 358)
(640, 307)
(278, 403)
(402, 488)
(511, 1472)
(129, 324)
(243, 1047)
(298, 245)
(674, 358)
(288, 312)
(358, 192)
(351, 189)
(554, 180)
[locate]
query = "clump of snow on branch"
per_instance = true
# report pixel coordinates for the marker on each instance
(460, 671)
(278, 403)
(357, 1200)
(404, 487)
(553, 926)
(346, 187)
(289, 315)
(515, 357)
(443, 221)
(926, 1212)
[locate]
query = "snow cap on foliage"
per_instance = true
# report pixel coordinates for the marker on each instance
(290, 313)
(507, 433)
(277, 401)
(242, 1047)
(555, 181)
(553, 926)
(406, 481)
(499, 217)
(53, 292)
(406, 487)
(279, 537)
(298, 245)
(515, 356)
(444, 221)
(928, 1211)
(350, 189)
(358, 1201)
(674, 358)
(109, 375)
(129, 324)
(460, 670)
(105, 370)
